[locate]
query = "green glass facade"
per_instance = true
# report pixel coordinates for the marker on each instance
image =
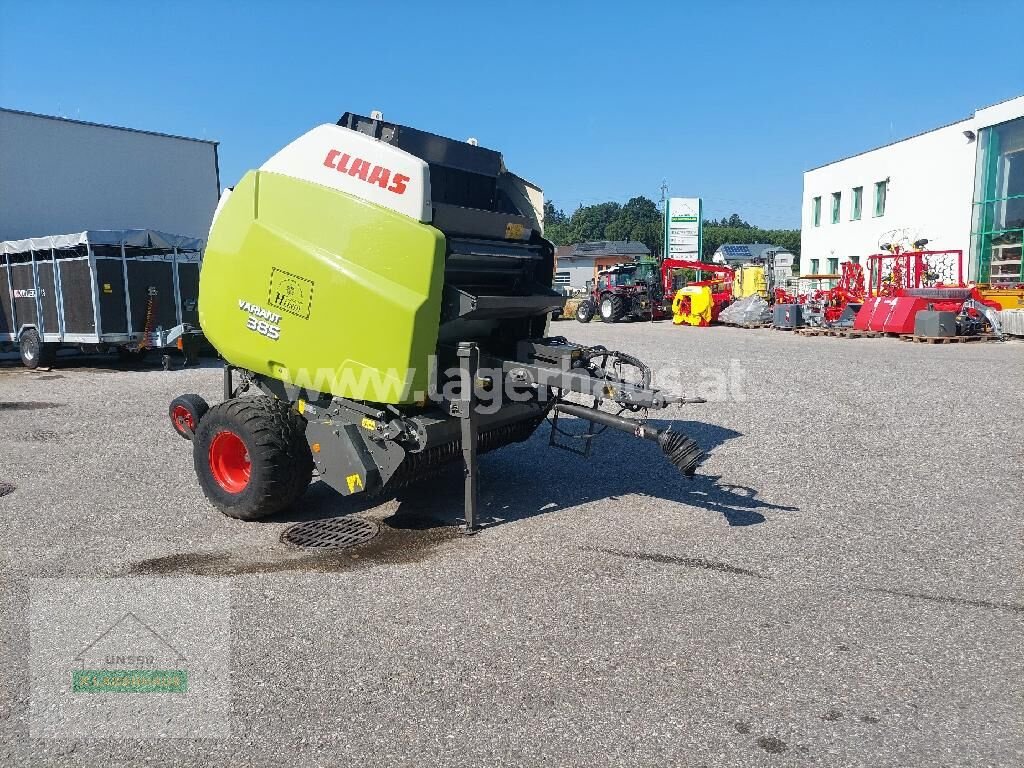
(997, 228)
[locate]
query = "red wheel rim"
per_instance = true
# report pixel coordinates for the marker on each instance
(229, 462)
(183, 420)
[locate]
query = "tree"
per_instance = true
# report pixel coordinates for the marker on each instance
(586, 223)
(641, 221)
(734, 221)
(556, 224)
(590, 222)
(553, 215)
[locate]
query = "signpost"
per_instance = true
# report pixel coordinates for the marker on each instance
(684, 228)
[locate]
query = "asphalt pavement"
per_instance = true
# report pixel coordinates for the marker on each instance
(841, 585)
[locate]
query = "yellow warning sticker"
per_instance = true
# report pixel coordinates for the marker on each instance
(514, 231)
(353, 482)
(369, 424)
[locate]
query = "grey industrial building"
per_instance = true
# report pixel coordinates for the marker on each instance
(61, 176)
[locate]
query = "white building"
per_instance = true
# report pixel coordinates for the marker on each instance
(960, 186)
(59, 176)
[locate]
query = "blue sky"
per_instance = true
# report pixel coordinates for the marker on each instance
(593, 101)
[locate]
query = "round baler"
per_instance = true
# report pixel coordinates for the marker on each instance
(381, 296)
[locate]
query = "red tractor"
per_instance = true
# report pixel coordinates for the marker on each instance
(624, 292)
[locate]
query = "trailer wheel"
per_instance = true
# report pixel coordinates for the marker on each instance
(251, 457)
(612, 308)
(585, 311)
(34, 352)
(186, 411)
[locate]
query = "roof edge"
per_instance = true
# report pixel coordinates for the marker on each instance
(106, 125)
(972, 116)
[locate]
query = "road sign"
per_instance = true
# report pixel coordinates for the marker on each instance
(683, 228)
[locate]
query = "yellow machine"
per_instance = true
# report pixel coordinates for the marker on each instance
(750, 280)
(693, 305)
(1006, 298)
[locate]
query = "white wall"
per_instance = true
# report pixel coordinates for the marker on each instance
(580, 270)
(58, 176)
(930, 191)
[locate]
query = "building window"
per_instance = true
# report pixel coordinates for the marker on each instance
(997, 248)
(855, 205)
(855, 259)
(814, 266)
(816, 211)
(837, 201)
(880, 187)
(833, 266)
(562, 278)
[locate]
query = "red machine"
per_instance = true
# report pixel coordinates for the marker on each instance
(850, 290)
(830, 304)
(914, 269)
(719, 286)
(905, 282)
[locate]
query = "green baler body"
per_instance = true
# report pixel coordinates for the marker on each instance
(353, 290)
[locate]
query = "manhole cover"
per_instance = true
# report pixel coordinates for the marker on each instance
(335, 533)
(6, 488)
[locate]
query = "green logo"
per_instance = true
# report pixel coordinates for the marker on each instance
(684, 218)
(129, 657)
(129, 681)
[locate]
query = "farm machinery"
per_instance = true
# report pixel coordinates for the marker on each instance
(380, 296)
(903, 283)
(624, 292)
(697, 302)
(835, 307)
(898, 285)
(649, 290)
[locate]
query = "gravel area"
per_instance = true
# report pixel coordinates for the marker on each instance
(841, 585)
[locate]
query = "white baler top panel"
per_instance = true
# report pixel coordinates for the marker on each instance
(358, 165)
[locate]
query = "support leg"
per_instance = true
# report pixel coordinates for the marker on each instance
(229, 390)
(469, 359)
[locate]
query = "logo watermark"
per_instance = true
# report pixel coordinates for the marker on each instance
(130, 658)
(725, 383)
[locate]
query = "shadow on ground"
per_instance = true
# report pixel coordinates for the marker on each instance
(517, 482)
(521, 481)
(109, 362)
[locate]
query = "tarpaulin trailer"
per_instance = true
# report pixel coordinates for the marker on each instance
(100, 290)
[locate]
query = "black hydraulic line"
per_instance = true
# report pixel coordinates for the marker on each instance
(682, 451)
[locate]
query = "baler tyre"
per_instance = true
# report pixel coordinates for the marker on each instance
(585, 311)
(612, 308)
(186, 411)
(251, 457)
